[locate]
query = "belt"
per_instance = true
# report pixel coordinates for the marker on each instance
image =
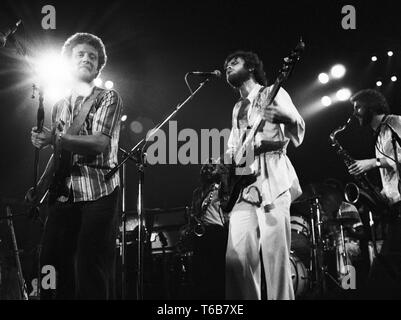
(270, 149)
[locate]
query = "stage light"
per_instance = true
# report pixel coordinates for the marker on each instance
(374, 58)
(326, 101)
(98, 82)
(323, 78)
(379, 83)
(390, 53)
(109, 85)
(124, 118)
(343, 94)
(394, 78)
(338, 71)
(52, 73)
(136, 127)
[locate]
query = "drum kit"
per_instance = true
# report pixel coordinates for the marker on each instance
(323, 229)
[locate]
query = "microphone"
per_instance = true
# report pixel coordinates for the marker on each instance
(4, 36)
(215, 73)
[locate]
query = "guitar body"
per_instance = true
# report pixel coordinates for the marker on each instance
(52, 183)
(230, 193)
(61, 171)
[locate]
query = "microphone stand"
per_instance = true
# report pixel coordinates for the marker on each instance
(140, 157)
(123, 250)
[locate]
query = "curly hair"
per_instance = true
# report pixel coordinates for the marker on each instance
(373, 100)
(86, 38)
(252, 62)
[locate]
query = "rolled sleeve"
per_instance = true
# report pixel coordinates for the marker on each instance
(108, 115)
(296, 131)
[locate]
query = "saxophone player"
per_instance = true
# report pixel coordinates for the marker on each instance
(211, 232)
(372, 110)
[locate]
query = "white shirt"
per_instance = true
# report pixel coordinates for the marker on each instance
(278, 174)
(389, 176)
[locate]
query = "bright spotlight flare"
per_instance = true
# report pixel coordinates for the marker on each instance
(98, 82)
(53, 74)
(338, 71)
(323, 78)
(374, 58)
(390, 53)
(326, 101)
(109, 85)
(343, 94)
(379, 83)
(394, 78)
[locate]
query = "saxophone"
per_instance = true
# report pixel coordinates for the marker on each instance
(362, 185)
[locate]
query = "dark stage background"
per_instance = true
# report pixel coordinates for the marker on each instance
(152, 44)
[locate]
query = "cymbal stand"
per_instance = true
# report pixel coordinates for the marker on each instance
(344, 253)
(317, 267)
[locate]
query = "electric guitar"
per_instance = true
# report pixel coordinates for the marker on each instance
(238, 181)
(52, 182)
(58, 167)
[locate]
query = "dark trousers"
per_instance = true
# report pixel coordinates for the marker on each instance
(385, 274)
(209, 262)
(79, 241)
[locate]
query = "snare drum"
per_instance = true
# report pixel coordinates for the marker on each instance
(300, 238)
(300, 276)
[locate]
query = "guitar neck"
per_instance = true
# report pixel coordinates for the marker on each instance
(270, 98)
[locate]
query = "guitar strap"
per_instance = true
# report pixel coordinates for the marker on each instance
(63, 167)
(83, 113)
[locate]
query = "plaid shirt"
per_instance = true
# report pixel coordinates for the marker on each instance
(87, 176)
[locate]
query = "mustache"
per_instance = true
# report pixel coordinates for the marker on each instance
(86, 64)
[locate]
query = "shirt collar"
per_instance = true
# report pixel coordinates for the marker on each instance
(254, 92)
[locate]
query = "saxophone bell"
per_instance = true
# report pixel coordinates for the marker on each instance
(352, 193)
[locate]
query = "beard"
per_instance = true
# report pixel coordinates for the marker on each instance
(238, 78)
(84, 75)
(365, 118)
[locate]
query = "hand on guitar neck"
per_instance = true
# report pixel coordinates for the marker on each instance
(276, 112)
(43, 138)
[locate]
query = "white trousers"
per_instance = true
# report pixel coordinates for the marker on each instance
(252, 230)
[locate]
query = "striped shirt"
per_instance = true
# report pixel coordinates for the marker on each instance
(87, 175)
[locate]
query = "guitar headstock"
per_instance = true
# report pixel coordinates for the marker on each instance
(291, 60)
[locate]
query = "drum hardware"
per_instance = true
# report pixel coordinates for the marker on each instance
(344, 253)
(300, 276)
(316, 265)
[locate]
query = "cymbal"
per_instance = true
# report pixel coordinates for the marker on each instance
(329, 198)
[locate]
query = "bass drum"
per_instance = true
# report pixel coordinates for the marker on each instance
(300, 276)
(300, 238)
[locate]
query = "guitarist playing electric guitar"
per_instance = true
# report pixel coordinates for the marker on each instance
(79, 237)
(260, 217)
